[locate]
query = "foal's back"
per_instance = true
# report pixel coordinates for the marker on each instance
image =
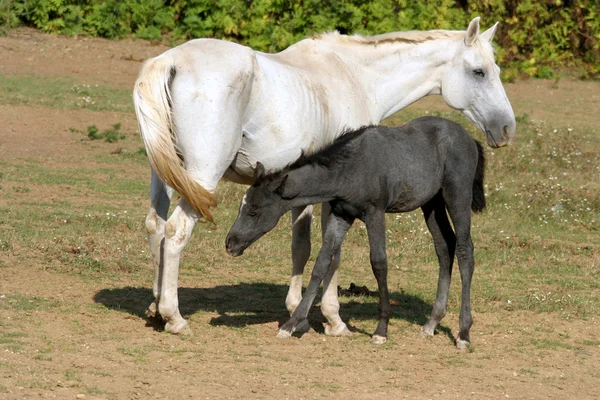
(401, 168)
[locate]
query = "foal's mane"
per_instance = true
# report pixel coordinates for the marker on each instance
(336, 152)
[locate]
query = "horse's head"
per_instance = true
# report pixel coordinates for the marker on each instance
(261, 208)
(472, 85)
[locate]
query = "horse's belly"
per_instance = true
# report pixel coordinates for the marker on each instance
(274, 148)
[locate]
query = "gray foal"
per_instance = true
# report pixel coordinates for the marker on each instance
(430, 163)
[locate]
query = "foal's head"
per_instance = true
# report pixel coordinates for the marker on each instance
(472, 85)
(261, 208)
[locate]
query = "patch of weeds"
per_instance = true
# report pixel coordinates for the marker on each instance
(23, 303)
(36, 384)
(138, 353)
(72, 375)
(2, 263)
(95, 391)
(21, 189)
(455, 361)
(522, 119)
(526, 371)
(10, 340)
(61, 93)
(111, 135)
(591, 342)
(548, 344)
(99, 373)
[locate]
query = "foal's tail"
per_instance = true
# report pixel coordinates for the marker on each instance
(152, 102)
(478, 203)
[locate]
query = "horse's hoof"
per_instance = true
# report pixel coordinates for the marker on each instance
(283, 334)
(152, 311)
(376, 339)
(426, 331)
(178, 328)
(339, 330)
(463, 345)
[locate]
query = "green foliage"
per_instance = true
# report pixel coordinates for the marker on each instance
(535, 37)
(109, 135)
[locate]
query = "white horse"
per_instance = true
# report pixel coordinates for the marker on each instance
(210, 110)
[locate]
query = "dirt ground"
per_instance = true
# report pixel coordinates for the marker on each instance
(73, 345)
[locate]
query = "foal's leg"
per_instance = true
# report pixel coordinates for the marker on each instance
(301, 221)
(160, 199)
(375, 222)
(330, 305)
(444, 241)
(334, 236)
(459, 207)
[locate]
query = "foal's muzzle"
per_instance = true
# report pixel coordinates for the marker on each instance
(231, 247)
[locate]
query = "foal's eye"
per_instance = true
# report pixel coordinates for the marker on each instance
(478, 73)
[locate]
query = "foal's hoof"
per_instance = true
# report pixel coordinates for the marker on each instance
(302, 327)
(376, 339)
(283, 334)
(338, 330)
(463, 345)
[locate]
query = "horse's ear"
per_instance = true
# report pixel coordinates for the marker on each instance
(472, 31)
(259, 171)
(489, 34)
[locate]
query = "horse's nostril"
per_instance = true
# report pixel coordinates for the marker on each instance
(506, 134)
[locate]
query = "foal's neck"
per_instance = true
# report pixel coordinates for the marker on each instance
(396, 73)
(313, 184)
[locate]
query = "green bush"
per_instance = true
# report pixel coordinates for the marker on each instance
(535, 37)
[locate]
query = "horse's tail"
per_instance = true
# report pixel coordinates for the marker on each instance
(478, 203)
(152, 102)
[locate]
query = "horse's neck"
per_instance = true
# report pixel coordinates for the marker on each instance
(397, 74)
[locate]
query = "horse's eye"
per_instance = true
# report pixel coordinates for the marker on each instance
(479, 73)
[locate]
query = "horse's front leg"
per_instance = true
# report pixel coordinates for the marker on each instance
(160, 199)
(330, 304)
(332, 241)
(375, 222)
(301, 221)
(178, 231)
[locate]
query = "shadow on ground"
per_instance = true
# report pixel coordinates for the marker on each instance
(246, 304)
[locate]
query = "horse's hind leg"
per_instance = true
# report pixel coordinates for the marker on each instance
(445, 242)
(301, 221)
(160, 199)
(330, 304)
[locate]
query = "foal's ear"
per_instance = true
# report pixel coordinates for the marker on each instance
(259, 171)
(472, 31)
(285, 189)
(489, 34)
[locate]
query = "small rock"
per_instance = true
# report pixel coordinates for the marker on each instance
(80, 396)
